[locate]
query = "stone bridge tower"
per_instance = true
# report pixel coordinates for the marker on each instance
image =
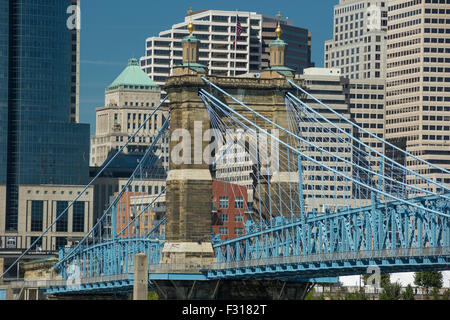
(188, 245)
(189, 182)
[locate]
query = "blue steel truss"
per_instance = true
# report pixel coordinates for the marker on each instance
(393, 236)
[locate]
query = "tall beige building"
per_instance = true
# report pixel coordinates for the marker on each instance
(321, 189)
(358, 47)
(129, 100)
(417, 90)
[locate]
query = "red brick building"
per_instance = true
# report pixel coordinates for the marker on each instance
(229, 207)
(126, 209)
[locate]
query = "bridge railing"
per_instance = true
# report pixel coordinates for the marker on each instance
(398, 253)
(178, 267)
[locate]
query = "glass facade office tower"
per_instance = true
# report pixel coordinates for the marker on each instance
(40, 141)
(4, 21)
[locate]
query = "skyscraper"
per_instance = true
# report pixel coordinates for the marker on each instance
(40, 141)
(417, 89)
(358, 46)
(358, 50)
(4, 45)
(75, 69)
(216, 29)
(129, 100)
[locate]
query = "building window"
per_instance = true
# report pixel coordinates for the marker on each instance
(239, 203)
(61, 224)
(38, 245)
(60, 242)
(223, 230)
(238, 218)
(223, 217)
(37, 215)
(238, 231)
(78, 217)
(223, 202)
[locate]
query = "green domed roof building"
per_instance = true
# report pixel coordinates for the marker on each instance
(133, 77)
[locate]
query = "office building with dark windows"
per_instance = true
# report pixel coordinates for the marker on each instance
(44, 151)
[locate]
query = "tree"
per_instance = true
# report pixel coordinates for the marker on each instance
(385, 279)
(408, 294)
(391, 291)
(428, 279)
(435, 293)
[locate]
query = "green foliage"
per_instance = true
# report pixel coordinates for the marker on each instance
(355, 296)
(313, 296)
(446, 295)
(408, 294)
(152, 295)
(335, 296)
(391, 291)
(310, 295)
(435, 293)
(428, 279)
(330, 296)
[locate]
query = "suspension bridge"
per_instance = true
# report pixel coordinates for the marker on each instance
(322, 208)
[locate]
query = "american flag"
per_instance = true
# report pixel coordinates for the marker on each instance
(238, 30)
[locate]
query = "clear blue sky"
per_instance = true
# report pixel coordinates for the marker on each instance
(115, 30)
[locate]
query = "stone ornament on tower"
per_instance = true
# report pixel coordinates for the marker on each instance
(277, 56)
(190, 45)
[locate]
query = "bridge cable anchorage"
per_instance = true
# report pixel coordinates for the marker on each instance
(218, 102)
(84, 190)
